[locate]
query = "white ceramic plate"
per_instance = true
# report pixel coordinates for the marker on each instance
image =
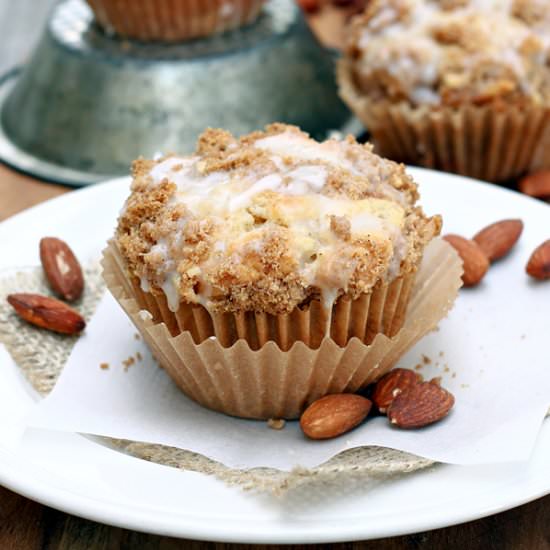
(80, 476)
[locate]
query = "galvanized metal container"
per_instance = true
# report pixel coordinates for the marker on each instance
(87, 103)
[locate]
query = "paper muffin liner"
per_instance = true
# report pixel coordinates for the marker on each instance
(492, 143)
(173, 20)
(383, 310)
(273, 383)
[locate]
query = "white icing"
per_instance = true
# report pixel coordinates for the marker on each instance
(314, 177)
(363, 224)
(144, 284)
(273, 182)
(408, 50)
(328, 299)
(170, 289)
(296, 146)
(293, 198)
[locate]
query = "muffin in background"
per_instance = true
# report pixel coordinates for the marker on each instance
(459, 85)
(173, 20)
(274, 237)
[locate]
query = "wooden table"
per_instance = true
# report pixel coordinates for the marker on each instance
(26, 525)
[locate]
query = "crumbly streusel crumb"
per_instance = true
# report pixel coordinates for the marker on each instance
(270, 221)
(276, 423)
(451, 52)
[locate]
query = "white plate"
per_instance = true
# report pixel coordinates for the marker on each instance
(79, 476)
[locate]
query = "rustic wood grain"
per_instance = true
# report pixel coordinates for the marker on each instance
(18, 192)
(25, 525)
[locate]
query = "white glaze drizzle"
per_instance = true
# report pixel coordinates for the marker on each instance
(219, 195)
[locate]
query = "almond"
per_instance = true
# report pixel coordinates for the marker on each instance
(475, 262)
(334, 415)
(497, 239)
(310, 6)
(46, 312)
(61, 268)
(538, 265)
(420, 405)
(536, 184)
(391, 385)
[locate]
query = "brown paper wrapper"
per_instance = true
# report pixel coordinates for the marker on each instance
(173, 20)
(272, 383)
(382, 311)
(485, 142)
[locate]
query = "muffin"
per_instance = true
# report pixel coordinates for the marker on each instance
(274, 236)
(267, 271)
(173, 20)
(459, 85)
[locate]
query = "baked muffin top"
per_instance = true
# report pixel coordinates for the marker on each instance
(270, 221)
(451, 52)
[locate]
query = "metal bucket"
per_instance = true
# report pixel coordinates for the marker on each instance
(87, 104)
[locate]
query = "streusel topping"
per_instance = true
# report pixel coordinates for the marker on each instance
(269, 221)
(448, 52)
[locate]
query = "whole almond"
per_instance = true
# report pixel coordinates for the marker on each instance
(536, 184)
(475, 262)
(310, 6)
(48, 313)
(538, 265)
(334, 415)
(61, 268)
(420, 405)
(497, 239)
(391, 385)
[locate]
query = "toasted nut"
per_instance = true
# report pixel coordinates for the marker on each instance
(538, 265)
(391, 385)
(310, 6)
(497, 239)
(475, 262)
(420, 405)
(61, 268)
(334, 415)
(536, 184)
(48, 313)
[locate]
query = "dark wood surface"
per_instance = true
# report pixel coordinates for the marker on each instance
(26, 525)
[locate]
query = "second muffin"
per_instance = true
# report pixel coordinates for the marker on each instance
(274, 236)
(460, 85)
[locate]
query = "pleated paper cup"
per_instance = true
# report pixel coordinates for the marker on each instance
(173, 20)
(381, 311)
(273, 383)
(494, 143)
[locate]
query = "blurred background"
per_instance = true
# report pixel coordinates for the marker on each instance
(21, 23)
(85, 99)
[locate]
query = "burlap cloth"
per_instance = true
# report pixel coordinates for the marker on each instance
(41, 356)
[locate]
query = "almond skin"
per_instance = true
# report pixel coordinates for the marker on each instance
(496, 240)
(391, 385)
(310, 6)
(536, 184)
(538, 265)
(48, 313)
(61, 268)
(420, 405)
(475, 262)
(334, 415)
